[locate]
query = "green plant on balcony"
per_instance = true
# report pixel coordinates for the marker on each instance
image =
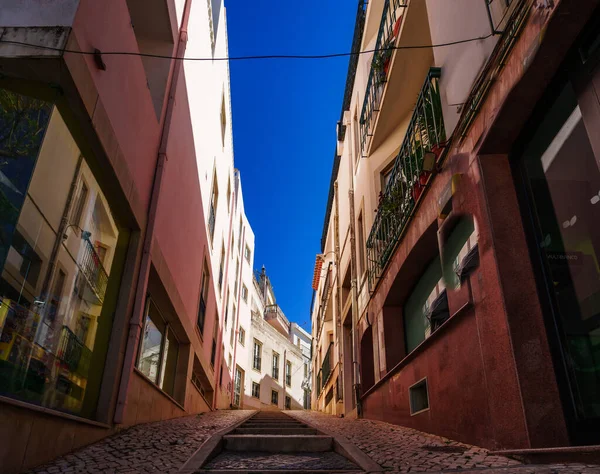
(381, 62)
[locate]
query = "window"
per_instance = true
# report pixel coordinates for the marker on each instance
(427, 306)
(221, 377)
(203, 297)
(231, 336)
(242, 336)
(247, 253)
(229, 193)
(255, 390)
(213, 350)
(80, 205)
(361, 244)
(288, 373)
(256, 362)
(223, 120)
(241, 233)
(305, 370)
(201, 381)
(55, 297)
(356, 139)
(386, 174)
(232, 245)
(275, 372)
(288, 403)
(159, 350)
(419, 398)
(237, 272)
(221, 267)
(460, 255)
(212, 211)
(229, 359)
(237, 386)
(244, 293)
(64, 295)
(226, 310)
(274, 397)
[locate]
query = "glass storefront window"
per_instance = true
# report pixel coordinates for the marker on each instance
(424, 308)
(564, 182)
(54, 219)
(159, 350)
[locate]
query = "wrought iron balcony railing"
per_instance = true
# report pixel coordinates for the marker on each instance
(73, 353)
(93, 271)
(389, 29)
(423, 145)
(325, 371)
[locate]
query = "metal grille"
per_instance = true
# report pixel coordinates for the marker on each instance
(93, 271)
(378, 74)
(73, 353)
(425, 136)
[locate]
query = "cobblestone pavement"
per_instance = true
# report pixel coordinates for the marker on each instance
(162, 446)
(399, 449)
(270, 461)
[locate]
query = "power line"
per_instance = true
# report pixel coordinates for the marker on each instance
(246, 58)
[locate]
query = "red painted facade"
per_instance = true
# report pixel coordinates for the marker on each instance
(491, 376)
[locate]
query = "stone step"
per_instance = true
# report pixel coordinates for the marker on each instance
(275, 430)
(278, 443)
(268, 425)
(266, 462)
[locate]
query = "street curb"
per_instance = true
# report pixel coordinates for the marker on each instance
(342, 446)
(210, 448)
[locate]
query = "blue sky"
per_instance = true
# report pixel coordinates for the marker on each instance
(284, 117)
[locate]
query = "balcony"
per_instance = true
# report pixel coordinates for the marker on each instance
(423, 146)
(325, 372)
(93, 273)
(322, 313)
(396, 68)
(73, 353)
(275, 317)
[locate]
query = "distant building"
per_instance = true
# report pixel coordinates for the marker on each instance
(272, 371)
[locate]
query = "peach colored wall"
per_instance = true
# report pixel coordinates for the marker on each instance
(36, 438)
(146, 403)
(128, 107)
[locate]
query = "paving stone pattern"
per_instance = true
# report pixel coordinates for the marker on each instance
(163, 446)
(270, 461)
(399, 449)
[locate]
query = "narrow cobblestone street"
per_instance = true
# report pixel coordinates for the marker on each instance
(165, 447)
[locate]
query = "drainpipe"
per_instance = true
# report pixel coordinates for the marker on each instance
(237, 321)
(284, 377)
(355, 362)
(338, 319)
(225, 301)
(137, 320)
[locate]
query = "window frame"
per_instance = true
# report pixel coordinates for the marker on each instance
(254, 386)
(257, 357)
(275, 375)
(288, 374)
(161, 355)
(276, 393)
(204, 290)
(242, 336)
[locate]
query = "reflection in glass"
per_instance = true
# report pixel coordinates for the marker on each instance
(564, 180)
(149, 362)
(53, 283)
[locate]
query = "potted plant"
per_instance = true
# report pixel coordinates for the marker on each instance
(381, 62)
